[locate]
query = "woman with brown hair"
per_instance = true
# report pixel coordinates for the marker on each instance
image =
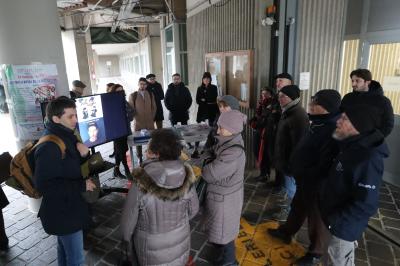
(121, 144)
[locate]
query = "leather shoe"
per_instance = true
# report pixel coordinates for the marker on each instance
(277, 233)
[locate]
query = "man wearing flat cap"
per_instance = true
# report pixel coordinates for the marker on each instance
(349, 196)
(77, 89)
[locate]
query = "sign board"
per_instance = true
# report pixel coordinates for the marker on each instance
(27, 87)
(304, 83)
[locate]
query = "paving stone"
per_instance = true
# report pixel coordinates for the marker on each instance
(93, 256)
(101, 231)
(197, 240)
(361, 254)
(390, 214)
(361, 263)
(395, 223)
(375, 223)
(113, 257)
(385, 198)
(16, 262)
(377, 262)
(37, 262)
(252, 207)
(48, 243)
(251, 217)
(379, 251)
(387, 206)
(49, 255)
(113, 222)
(30, 254)
(107, 244)
(30, 241)
(207, 253)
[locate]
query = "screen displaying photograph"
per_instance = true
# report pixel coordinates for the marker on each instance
(102, 118)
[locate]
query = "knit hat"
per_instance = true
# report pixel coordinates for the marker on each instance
(329, 99)
(231, 101)
(207, 75)
(292, 91)
(78, 84)
(363, 117)
(284, 76)
(232, 121)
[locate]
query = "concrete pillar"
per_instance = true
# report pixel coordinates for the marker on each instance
(78, 53)
(30, 32)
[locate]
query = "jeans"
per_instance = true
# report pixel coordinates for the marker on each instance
(70, 249)
(290, 186)
(341, 252)
(225, 254)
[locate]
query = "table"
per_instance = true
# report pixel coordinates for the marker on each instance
(188, 133)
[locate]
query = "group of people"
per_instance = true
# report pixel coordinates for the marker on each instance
(328, 163)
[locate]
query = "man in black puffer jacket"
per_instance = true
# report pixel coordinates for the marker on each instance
(178, 101)
(310, 162)
(370, 92)
(58, 178)
(349, 195)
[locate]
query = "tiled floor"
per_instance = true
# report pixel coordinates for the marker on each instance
(30, 245)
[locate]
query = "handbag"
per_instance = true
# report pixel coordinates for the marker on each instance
(96, 163)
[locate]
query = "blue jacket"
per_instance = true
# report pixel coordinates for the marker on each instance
(63, 210)
(350, 194)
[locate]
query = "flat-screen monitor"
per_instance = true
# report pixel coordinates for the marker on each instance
(102, 118)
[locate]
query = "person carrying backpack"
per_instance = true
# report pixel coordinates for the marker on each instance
(58, 178)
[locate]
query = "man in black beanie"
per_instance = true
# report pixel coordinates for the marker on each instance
(292, 126)
(309, 164)
(349, 195)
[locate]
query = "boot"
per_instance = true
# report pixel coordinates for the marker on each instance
(112, 154)
(128, 172)
(118, 173)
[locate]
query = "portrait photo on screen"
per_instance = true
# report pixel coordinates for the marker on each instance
(89, 108)
(92, 132)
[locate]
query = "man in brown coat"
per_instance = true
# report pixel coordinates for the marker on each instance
(143, 102)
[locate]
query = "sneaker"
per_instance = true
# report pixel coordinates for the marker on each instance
(276, 233)
(308, 260)
(282, 215)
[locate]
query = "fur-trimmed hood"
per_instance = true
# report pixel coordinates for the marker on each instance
(167, 180)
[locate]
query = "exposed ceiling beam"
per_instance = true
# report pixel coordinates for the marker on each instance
(124, 12)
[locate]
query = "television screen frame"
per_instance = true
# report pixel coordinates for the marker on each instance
(88, 121)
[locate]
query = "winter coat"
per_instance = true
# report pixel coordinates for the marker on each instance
(63, 210)
(224, 200)
(157, 212)
(178, 101)
(158, 93)
(206, 98)
(145, 110)
(351, 191)
(313, 156)
(121, 144)
(292, 126)
(373, 97)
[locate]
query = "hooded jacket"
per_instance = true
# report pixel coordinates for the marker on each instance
(178, 101)
(224, 199)
(349, 196)
(373, 97)
(155, 219)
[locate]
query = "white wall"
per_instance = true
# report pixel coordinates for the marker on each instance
(135, 63)
(105, 71)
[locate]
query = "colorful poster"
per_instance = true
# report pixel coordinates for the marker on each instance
(28, 86)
